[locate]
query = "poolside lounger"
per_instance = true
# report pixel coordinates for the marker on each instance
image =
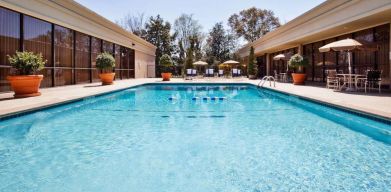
(234, 72)
(194, 72)
(189, 73)
(210, 72)
(221, 73)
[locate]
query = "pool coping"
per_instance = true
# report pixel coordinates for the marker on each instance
(366, 114)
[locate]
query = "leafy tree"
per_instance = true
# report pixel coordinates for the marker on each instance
(251, 67)
(220, 45)
(186, 27)
(134, 23)
(190, 55)
(253, 23)
(158, 33)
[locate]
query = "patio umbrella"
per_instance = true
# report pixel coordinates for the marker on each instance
(342, 45)
(231, 62)
(279, 57)
(200, 63)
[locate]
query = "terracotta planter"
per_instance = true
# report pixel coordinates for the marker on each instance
(166, 76)
(107, 78)
(25, 85)
(298, 78)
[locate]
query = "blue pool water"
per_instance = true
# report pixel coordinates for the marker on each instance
(140, 140)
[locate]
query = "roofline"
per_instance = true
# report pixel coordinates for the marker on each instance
(306, 16)
(87, 13)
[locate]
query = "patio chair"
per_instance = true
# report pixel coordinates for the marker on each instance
(332, 80)
(239, 72)
(206, 73)
(221, 72)
(234, 72)
(372, 79)
(193, 73)
(189, 73)
(211, 72)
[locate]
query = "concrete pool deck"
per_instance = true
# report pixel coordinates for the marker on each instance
(372, 103)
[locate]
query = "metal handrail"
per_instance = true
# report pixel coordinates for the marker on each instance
(267, 78)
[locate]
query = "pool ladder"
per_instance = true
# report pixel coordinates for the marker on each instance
(267, 78)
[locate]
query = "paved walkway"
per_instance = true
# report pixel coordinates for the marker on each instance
(374, 103)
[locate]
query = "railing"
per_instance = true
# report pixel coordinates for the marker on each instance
(265, 79)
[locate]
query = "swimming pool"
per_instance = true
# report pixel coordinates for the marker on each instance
(166, 137)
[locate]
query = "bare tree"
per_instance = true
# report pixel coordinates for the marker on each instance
(134, 23)
(186, 27)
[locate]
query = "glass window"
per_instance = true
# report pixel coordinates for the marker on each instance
(63, 51)
(117, 57)
(318, 62)
(330, 57)
(9, 43)
(307, 52)
(96, 47)
(382, 40)
(364, 59)
(108, 47)
(82, 58)
(37, 38)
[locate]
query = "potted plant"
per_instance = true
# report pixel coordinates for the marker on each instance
(252, 67)
(26, 82)
(166, 63)
(105, 63)
(298, 62)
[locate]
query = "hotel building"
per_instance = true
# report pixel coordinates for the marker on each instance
(69, 36)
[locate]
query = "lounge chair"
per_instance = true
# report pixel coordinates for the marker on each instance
(193, 73)
(234, 72)
(221, 72)
(189, 73)
(211, 72)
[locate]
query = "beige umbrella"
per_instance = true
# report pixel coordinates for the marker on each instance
(230, 62)
(200, 63)
(279, 57)
(342, 45)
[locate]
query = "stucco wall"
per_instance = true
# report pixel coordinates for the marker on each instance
(142, 61)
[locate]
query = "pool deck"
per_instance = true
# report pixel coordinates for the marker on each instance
(372, 103)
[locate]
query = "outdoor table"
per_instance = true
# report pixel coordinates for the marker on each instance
(350, 81)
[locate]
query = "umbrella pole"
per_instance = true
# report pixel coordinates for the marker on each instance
(349, 62)
(350, 87)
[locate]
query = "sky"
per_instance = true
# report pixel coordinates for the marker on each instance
(207, 12)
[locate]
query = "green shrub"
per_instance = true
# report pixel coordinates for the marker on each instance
(166, 63)
(105, 62)
(27, 63)
(252, 67)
